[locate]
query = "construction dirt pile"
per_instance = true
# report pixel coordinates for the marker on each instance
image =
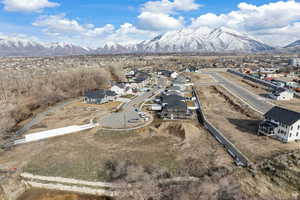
(249, 83)
(184, 131)
(236, 103)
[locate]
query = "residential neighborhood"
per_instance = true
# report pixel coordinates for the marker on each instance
(149, 100)
(246, 114)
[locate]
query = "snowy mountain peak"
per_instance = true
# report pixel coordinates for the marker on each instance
(224, 29)
(59, 45)
(202, 40)
(295, 44)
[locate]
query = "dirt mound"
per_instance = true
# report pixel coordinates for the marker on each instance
(251, 84)
(236, 104)
(185, 131)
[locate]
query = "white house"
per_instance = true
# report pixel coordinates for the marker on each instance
(174, 75)
(119, 88)
(282, 124)
(282, 94)
(295, 62)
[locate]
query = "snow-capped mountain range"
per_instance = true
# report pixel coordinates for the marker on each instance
(293, 47)
(202, 40)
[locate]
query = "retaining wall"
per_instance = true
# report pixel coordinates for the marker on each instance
(238, 157)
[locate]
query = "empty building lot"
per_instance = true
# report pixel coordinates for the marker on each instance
(201, 79)
(239, 123)
(168, 146)
(77, 113)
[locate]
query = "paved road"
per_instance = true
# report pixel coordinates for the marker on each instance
(258, 103)
(120, 119)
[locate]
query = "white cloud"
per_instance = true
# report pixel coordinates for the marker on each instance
(186, 5)
(279, 36)
(266, 21)
(56, 24)
(168, 7)
(159, 15)
(250, 17)
(159, 22)
(108, 28)
(129, 34)
(59, 27)
(28, 5)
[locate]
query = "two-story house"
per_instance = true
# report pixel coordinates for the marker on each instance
(99, 96)
(282, 124)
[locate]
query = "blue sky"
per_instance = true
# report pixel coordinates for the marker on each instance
(96, 22)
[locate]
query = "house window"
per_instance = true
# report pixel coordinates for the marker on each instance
(291, 128)
(298, 127)
(297, 134)
(290, 134)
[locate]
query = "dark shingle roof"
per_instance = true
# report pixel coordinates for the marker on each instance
(283, 115)
(99, 94)
(174, 101)
(165, 72)
(141, 76)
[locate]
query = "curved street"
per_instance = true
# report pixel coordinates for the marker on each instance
(130, 111)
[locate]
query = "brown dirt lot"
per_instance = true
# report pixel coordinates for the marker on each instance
(163, 145)
(198, 78)
(239, 126)
(77, 113)
(262, 91)
(40, 194)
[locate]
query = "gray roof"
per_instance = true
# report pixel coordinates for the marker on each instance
(174, 88)
(165, 72)
(180, 79)
(99, 94)
(141, 76)
(283, 115)
(120, 85)
(174, 101)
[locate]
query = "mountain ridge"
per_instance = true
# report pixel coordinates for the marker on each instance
(201, 40)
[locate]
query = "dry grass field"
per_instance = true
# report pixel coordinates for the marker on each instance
(163, 145)
(198, 78)
(239, 124)
(83, 155)
(40, 194)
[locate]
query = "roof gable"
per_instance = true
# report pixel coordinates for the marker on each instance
(283, 115)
